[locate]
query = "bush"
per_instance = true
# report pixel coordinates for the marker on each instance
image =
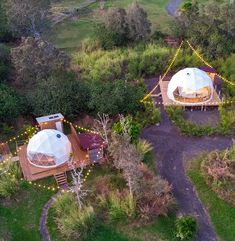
(4, 62)
(126, 63)
(125, 97)
(225, 127)
(149, 116)
(72, 222)
(50, 96)
(144, 147)
(9, 184)
(154, 197)
(186, 228)
(89, 45)
(134, 128)
(219, 172)
(10, 104)
(121, 206)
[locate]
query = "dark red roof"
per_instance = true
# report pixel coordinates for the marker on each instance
(90, 141)
(208, 69)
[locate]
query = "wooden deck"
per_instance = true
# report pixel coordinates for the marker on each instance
(32, 173)
(215, 100)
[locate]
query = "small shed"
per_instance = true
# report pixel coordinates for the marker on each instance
(54, 121)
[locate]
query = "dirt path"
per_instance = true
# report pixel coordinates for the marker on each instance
(173, 6)
(171, 148)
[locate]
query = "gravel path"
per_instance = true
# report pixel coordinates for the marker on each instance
(173, 6)
(171, 148)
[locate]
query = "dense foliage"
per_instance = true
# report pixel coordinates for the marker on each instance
(210, 26)
(27, 17)
(121, 26)
(10, 104)
(219, 172)
(74, 223)
(226, 125)
(4, 62)
(59, 92)
(34, 59)
(186, 228)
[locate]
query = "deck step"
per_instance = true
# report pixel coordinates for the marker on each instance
(61, 179)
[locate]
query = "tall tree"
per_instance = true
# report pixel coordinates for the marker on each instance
(60, 92)
(34, 59)
(27, 17)
(115, 20)
(3, 22)
(138, 23)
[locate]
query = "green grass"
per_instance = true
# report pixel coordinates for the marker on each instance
(222, 214)
(20, 215)
(68, 34)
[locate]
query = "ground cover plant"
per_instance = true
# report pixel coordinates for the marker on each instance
(225, 126)
(223, 220)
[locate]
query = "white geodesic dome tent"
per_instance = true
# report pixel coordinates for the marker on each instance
(48, 148)
(190, 85)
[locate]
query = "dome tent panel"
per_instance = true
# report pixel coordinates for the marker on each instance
(190, 85)
(48, 148)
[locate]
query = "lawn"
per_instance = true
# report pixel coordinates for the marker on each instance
(68, 34)
(20, 215)
(221, 213)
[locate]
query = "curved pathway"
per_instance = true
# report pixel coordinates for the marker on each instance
(171, 149)
(43, 221)
(173, 6)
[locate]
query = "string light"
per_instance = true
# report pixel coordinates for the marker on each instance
(168, 69)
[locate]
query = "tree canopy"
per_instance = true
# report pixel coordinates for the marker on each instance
(10, 104)
(34, 59)
(60, 92)
(27, 17)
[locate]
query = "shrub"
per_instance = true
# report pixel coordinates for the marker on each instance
(74, 223)
(89, 45)
(225, 127)
(219, 172)
(9, 184)
(144, 147)
(50, 95)
(150, 114)
(125, 97)
(154, 197)
(10, 104)
(121, 206)
(133, 127)
(186, 228)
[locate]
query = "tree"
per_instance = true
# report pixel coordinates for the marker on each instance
(138, 23)
(116, 22)
(10, 104)
(34, 59)
(4, 62)
(77, 181)
(102, 126)
(3, 22)
(126, 158)
(125, 97)
(27, 17)
(212, 28)
(60, 92)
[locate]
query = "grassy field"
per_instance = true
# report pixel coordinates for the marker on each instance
(20, 215)
(69, 33)
(222, 214)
